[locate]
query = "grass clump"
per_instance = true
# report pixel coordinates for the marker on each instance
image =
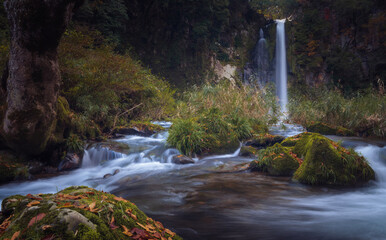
(364, 113)
(215, 118)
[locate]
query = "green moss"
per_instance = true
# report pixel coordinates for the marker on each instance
(325, 162)
(86, 233)
(76, 213)
(275, 160)
(248, 151)
(323, 128)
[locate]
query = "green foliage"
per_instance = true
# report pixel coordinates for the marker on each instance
(74, 144)
(106, 87)
(363, 113)
(188, 136)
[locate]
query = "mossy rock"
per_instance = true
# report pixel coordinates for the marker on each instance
(264, 140)
(291, 141)
(77, 213)
(275, 160)
(323, 128)
(327, 163)
(12, 168)
(248, 151)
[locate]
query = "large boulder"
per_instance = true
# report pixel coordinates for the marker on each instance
(326, 162)
(77, 213)
(314, 159)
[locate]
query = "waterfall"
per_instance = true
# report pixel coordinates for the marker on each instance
(281, 65)
(261, 61)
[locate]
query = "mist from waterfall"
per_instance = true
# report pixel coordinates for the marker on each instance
(281, 65)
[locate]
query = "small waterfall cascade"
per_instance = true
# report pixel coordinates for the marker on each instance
(261, 61)
(281, 65)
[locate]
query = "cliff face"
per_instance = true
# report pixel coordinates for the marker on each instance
(341, 42)
(180, 40)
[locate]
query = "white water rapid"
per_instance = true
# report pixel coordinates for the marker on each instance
(281, 65)
(211, 199)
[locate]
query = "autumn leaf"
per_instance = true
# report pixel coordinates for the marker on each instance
(169, 232)
(15, 235)
(5, 224)
(33, 197)
(92, 206)
(126, 231)
(33, 203)
(36, 219)
(46, 227)
(129, 212)
(120, 199)
(112, 225)
(66, 205)
(159, 225)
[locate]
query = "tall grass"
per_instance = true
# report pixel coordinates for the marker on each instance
(214, 118)
(244, 101)
(364, 113)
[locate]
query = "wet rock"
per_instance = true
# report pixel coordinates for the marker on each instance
(144, 129)
(182, 159)
(110, 175)
(263, 141)
(78, 213)
(70, 162)
(248, 151)
(72, 219)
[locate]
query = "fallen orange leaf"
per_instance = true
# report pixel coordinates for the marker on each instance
(112, 225)
(36, 219)
(33, 203)
(169, 232)
(120, 199)
(15, 235)
(46, 227)
(126, 231)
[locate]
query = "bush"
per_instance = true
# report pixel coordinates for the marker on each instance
(107, 87)
(189, 137)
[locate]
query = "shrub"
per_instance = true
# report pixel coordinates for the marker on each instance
(107, 87)
(189, 137)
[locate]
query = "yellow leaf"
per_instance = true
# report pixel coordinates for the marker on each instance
(169, 232)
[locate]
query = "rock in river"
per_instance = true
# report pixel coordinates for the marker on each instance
(77, 213)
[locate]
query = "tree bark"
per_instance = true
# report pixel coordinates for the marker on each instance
(33, 78)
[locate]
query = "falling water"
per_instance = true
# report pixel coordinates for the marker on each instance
(261, 61)
(281, 65)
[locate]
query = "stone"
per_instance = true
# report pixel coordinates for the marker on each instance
(72, 219)
(182, 159)
(70, 162)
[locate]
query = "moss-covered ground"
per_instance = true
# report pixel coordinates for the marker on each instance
(77, 213)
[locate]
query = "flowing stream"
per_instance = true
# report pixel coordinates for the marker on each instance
(209, 200)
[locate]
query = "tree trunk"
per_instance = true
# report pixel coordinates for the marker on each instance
(33, 71)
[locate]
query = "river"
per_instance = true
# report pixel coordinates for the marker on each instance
(207, 200)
